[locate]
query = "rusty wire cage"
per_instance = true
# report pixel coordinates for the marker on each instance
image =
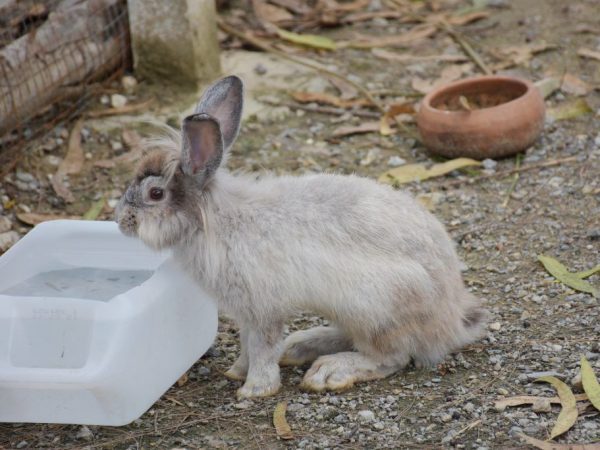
(53, 55)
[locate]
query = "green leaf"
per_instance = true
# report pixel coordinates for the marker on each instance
(95, 210)
(568, 414)
(573, 280)
(418, 172)
(570, 110)
(590, 383)
(308, 40)
(587, 273)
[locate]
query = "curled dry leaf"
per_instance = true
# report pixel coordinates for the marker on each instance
(502, 403)
(587, 53)
(516, 55)
(72, 163)
(35, 218)
(574, 85)
(562, 274)
(365, 127)
(281, 426)
(327, 99)
(569, 110)
(418, 172)
(390, 116)
(568, 414)
(590, 383)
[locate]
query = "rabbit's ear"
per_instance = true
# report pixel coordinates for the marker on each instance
(224, 100)
(202, 150)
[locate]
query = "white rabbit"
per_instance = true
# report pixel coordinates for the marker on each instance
(370, 259)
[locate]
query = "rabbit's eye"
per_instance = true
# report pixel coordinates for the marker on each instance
(156, 193)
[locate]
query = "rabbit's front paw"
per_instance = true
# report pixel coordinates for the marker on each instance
(258, 388)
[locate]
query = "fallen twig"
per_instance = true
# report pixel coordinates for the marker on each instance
(471, 53)
(127, 109)
(324, 109)
(514, 183)
(505, 173)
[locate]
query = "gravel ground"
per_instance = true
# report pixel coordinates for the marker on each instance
(537, 326)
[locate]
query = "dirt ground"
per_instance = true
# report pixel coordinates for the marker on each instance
(500, 224)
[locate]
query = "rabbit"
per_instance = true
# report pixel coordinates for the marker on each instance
(368, 258)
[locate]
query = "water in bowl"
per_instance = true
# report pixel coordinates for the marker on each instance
(84, 282)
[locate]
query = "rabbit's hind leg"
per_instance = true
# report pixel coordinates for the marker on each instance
(305, 346)
(341, 370)
(239, 369)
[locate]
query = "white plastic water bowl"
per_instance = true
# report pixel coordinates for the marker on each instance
(94, 326)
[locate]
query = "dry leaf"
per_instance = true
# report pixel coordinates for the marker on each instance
(95, 209)
(590, 383)
(327, 99)
(448, 75)
(587, 273)
(417, 33)
(307, 40)
(587, 53)
(281, 426)
(390, 116)
(562, 274)
(365, 127)
(568, 414)
(183, 379)
(349, 6)
(569, 110)
(545, 445)
(35, 218)
(548, 86)
(418, 172)
(574, 85)
(407, 57)
(521, 54)
(369, 15)
(347, 91)
(464, 19)
(270, 14)
(502, 403)
(72, 163)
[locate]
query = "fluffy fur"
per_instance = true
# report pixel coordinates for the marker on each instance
(369, 258)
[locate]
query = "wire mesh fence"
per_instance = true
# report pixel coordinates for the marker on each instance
(53, 54)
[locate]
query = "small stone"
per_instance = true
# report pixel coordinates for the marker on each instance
(366, 416)
(118, 100)
(22, 444)
(25, 177)
(446, 417)
(548, 373)
(396, 161)
(7, 240)
(378, 426)
(84, 433)
(525, 315)
(129, 84)
(495, 326)
(5, 224)
(243, 404)
(260, 69)
(370, 158)
(112, 203)
(105, 100)
(576, 381)
(502, 391)
(489, 164)
(116, 146)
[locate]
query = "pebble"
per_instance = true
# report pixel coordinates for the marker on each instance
(7, 240)
(129, 84)
(118, 100)
(366, 415)
(5, 224)
(84, 433)
(245, 404)
(548, 373)
(495, 326)
(396, 161)
(22, 444)
(489, 164)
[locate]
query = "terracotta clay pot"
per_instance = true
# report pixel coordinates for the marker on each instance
(506, 116)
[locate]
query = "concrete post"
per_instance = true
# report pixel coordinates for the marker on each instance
(175, 41)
